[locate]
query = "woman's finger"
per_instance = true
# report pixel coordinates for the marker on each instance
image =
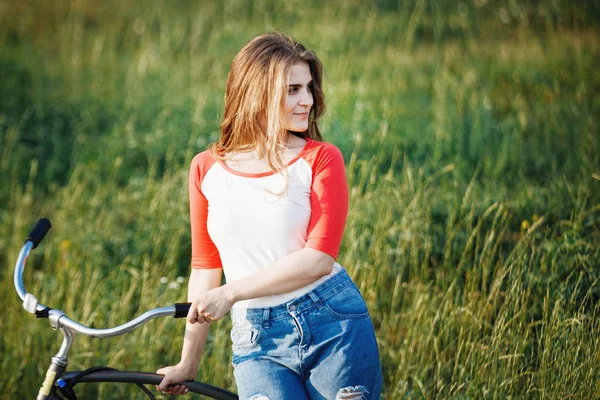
(166, 384)
(192, 314)
(179, 390)
(195, 314)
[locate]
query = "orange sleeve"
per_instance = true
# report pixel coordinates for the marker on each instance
(328, 201)
(204, 251)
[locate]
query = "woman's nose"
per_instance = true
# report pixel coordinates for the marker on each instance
(306, 99)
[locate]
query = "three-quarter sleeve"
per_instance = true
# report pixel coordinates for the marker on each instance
(204, 251)
(328, 200)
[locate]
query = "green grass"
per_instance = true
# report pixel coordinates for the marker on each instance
(471, 135)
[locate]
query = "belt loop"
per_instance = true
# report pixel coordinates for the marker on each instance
(316, 299)
(266, 317)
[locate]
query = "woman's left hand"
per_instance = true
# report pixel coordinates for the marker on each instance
(210, 306)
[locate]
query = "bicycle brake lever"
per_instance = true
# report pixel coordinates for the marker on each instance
(30, 303)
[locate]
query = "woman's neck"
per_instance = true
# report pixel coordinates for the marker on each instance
(249, 161)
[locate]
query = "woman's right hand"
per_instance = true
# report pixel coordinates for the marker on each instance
(174, 376)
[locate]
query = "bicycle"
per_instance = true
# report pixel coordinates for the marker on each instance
(59, 384)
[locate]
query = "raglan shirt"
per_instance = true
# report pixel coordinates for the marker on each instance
(245, 222)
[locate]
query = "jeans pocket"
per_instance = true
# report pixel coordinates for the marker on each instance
(244, 336)
(347, 304)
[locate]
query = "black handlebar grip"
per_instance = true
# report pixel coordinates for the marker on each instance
(39, 231)
(182, 309)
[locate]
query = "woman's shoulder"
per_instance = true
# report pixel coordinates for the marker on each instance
(322, 151)
(204, 157)
(203, 161)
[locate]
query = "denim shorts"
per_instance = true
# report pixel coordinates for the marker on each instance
(318, 346)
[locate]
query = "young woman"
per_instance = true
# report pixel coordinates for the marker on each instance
(268, 205)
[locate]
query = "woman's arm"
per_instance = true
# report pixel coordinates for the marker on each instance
(201, 281)
(292, 272)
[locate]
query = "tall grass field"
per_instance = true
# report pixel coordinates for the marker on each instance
(470, 131)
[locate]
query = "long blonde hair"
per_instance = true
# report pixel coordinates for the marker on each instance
(255, 92)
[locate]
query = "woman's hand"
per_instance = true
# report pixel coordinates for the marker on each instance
(211, 305)
(174, 376)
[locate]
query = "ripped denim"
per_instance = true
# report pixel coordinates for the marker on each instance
(318, 346)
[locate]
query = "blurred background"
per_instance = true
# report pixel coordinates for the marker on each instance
(470, 131)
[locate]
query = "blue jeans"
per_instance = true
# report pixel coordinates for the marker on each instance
(318, 346)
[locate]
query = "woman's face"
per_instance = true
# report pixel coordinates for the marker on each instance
(299, 99)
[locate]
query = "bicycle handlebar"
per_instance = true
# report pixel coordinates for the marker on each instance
(36, 235)
(57, 317)
(117, 330)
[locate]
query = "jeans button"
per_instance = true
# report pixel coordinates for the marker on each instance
(292, 307)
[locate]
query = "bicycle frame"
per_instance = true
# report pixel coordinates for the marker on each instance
(68, 328)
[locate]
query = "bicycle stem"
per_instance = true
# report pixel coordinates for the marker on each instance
(60, 360)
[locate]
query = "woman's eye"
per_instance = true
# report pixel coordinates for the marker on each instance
(292, 90)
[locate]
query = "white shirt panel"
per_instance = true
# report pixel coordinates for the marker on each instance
(253, 226)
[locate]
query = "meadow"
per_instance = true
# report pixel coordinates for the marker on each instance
(471, 136)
